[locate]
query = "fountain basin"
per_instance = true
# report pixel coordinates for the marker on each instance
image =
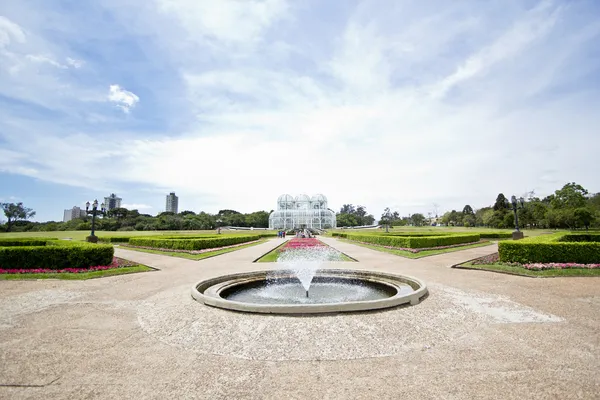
(332, 290)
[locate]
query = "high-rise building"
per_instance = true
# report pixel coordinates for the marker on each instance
(73, 213)
(111, 202)
(172, 203)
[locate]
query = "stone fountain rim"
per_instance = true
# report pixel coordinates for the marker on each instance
(208, 292)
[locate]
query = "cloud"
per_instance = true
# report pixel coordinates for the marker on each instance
(227, 21)
(124, 99)
(9, 32)
(136, 206)
(402, 106)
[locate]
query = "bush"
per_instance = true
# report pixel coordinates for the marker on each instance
(557, 248)
(114, 239)
(22, 242)
(192, 244)
(56, 257)
(414, 241)
(495, 235)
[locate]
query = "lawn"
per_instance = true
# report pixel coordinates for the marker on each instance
(515, 270)
(78, 276)
(190, 256)
(81, 235)
(421, 254)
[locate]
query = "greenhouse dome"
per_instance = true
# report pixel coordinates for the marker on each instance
(302, 212)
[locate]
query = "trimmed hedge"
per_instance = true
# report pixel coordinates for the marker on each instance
(556, 248)
(114, 239)
(191, 244)
(414, 242)
(22, 242)
(56, 257)
(495, 235)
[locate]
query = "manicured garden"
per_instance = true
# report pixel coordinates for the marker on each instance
(191, 247)
(303, 244)
(417, 244)
(42, 258)
(559, 254)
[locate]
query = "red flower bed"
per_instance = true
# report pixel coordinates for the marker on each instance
(117, 263)
(302, 243)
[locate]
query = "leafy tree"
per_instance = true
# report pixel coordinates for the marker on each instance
(15, 212)
(468, 210)
(345, 219)
(501, 203)
(571, 195)
(386, 218)
(418, 219)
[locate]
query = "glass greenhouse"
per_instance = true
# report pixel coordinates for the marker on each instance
(302, 212)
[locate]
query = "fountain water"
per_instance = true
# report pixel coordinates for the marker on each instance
(305, 262)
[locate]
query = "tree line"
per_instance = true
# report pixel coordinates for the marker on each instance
(122, 219)
(571, 207)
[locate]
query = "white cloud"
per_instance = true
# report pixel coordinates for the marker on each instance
(402, 107)
(10, 31)
(136, 206)
(227, 21)
(124, 99)
(75, 63)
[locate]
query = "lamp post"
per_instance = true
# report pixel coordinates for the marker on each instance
(219, 226)
(517, 234)
(93, 212)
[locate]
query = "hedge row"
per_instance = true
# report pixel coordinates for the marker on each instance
(495, 235)
(414, 242)
(56, 257)
(557, 248)
(126, 239)
(191, 244)
(22, 242)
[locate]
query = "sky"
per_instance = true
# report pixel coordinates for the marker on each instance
(417, 106)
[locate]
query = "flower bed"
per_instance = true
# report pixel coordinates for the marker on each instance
(495, 259)
(190, 251)
(302, 243)
(116, 263)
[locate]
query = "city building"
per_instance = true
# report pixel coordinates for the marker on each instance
(172, 203)
(302, 212)
(111, 202)
(73, 213)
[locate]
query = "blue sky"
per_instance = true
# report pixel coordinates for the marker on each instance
(401, 104)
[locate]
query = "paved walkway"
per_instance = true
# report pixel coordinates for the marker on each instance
(477, 335)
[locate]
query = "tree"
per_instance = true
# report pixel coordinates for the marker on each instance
(468, 210)
(386, 218)
(15, 212)
(418, 219)
(571, 195)
(501, 203)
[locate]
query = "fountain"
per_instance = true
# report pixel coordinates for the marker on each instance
(300, 286)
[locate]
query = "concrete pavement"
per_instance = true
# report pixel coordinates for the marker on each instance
(477, 335)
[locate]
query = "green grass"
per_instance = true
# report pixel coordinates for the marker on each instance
(81, 235)
(79, 276)
(195, 256)
(421, 254)
(514, 270)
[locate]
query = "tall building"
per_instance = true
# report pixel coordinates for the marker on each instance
(73, 213)
(172, 203)
(111, 202)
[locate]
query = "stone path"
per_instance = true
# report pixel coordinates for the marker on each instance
(477, 335)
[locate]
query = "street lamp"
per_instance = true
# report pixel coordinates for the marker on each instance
(219, 225)
(93, 212)
(517, 234)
